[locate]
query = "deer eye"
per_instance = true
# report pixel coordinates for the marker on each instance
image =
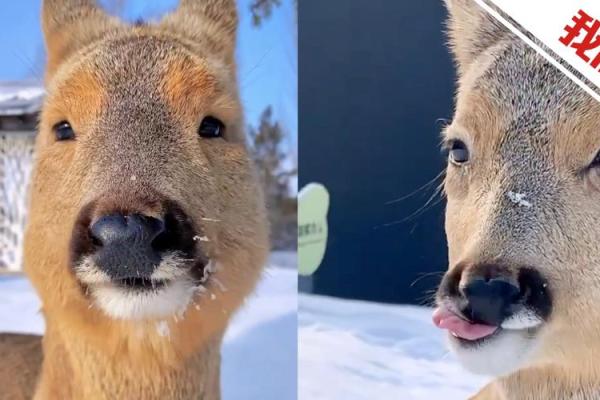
(596, 162)
(211, 127)
(458, 153)
(64, 131)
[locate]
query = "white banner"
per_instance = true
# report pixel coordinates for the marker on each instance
(569, 28)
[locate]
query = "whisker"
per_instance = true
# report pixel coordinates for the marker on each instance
(416, 191)
(430, 203)
(426, 275)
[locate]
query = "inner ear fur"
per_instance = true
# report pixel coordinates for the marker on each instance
(471, 31)
(69, 25)
(212, 24)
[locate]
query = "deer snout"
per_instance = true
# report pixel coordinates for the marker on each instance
(140, 245)
(127, 245)
(494, 295)
(490, 301)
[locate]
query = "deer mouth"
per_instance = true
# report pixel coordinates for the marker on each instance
(493, 315)
(461, 328)
(472, 333)
(134, 265)
(489, 349)
(141, 283)
(168, 292)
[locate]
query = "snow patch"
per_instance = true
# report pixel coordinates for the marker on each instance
(210, 219)
(518, 199)
(375, 351)
(162, 328)
(266, 322)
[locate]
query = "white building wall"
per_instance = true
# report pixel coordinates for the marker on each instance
(16, 157)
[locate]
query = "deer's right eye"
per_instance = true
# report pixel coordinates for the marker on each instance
(458, 153)
(211, 127)
(64, 131)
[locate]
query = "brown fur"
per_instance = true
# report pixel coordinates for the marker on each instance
(529, 130)
(21, 357)
(135, 96)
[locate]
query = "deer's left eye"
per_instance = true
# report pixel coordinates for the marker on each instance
(596, 162)
(458, 153)
(64, 131)
(211, 127)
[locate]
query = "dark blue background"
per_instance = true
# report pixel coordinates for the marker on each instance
(375, 77)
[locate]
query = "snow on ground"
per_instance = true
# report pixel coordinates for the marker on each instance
(354, 350)
(260, 347)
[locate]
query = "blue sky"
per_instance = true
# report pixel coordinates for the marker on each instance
(267, 56)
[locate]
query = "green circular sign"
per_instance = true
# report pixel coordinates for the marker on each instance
(313, 204)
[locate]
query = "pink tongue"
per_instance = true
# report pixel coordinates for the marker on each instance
(446, 319)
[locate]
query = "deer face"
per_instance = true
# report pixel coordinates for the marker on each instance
(523, 196)
(143, 194)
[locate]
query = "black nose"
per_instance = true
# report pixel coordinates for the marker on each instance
(125, 245)
(490, 301)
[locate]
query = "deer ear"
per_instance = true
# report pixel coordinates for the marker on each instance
(471, 31)
(69, 25)
(211, 24)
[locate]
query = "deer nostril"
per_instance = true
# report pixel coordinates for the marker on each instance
(171, 235)
(95, 241)
(164, 241)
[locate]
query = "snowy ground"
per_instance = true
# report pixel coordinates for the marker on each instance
(348, 350)
(260, 348)
(354, 350)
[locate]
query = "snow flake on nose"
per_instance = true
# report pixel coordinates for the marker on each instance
(518, 199)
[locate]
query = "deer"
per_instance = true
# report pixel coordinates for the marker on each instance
(146, 225)
(519, 301)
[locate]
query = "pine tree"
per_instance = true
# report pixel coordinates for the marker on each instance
(262, 9)
(276, 172)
